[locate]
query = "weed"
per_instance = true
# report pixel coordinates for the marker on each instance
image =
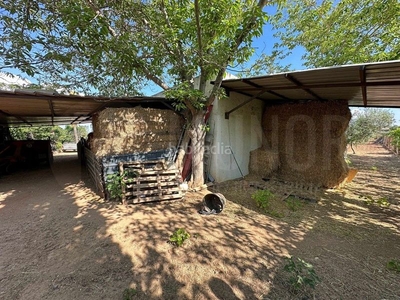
(373, 168)
(381, 202)
(348, 161)
(115, 182)
(302, 274)
(293, 203)
(129, 293)
(114, 186)
(394, 265)
(263, 199)
(179, 237)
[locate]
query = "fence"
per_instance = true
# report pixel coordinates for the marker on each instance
(387, 142)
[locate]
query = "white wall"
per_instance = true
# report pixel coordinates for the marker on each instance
(242, 132)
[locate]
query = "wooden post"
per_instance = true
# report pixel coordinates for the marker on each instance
(123, 189)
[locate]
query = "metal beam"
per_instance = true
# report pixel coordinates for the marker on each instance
(264, 89)
(76, 119)
(17, 117)
(363, 86)
(242, 104)
(300, 85)
(326, 85)
(51, 106)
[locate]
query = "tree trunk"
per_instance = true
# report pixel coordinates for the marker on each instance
(351, 146)
(197, 133)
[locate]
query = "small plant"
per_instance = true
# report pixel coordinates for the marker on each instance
(381, 202)
(374, 168)
(115, 183)
(394, 265)
(179, 237)
(302, 274)
(263, 199)
(114, 186)
(129, 293)
(293, 203)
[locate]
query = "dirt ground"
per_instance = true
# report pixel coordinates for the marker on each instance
(58, 240)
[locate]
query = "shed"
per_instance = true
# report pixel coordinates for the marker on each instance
(236, 122)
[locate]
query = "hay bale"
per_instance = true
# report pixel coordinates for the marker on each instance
(130, 130)
(310, 140)
(263, 162)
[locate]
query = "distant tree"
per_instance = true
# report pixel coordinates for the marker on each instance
(340, 32)
(367, 124)
(56, 134)
(395, 135)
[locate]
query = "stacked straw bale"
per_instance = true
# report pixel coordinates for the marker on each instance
(130, 130)
(310, 139)
(263, 162)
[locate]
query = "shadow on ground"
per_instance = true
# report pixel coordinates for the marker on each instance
(60, 241)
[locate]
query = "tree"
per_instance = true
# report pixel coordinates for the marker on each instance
(114, 47)
(395, 135)
(367, 124)
(56, 134)
(340, 32)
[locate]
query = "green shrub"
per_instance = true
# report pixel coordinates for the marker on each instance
(293, 203)
(179, 237)
(114, 186)
(302, 274)
(128, 294)
(263, 199)
(393, 265)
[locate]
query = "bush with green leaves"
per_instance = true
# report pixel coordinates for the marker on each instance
(263, 199)
(395, 135)
(293, 203)
(114, 185)
(393, 265)
(129, 293)
(302, 274)
(179, 237)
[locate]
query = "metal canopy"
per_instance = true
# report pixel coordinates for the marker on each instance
(37, 107)
(366, 85)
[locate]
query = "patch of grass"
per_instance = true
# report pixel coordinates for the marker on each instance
(263, 200)
(393, 265)
(381, 202)
(179, 237)
(129, 293)
(373, 168)
(293, 203)
(302, 274)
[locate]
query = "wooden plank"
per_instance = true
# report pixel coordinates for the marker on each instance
(157, 198)
(152, 178)
(144, 162)
(153, 192)
(149, 185)
(123, 186)
(161, 172)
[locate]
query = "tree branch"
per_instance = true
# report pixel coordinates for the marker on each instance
(240, 36)
(202, 85)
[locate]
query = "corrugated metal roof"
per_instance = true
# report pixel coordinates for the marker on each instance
(40, 107)
(369, 85)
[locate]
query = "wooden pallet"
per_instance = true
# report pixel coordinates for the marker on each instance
(149, 181)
